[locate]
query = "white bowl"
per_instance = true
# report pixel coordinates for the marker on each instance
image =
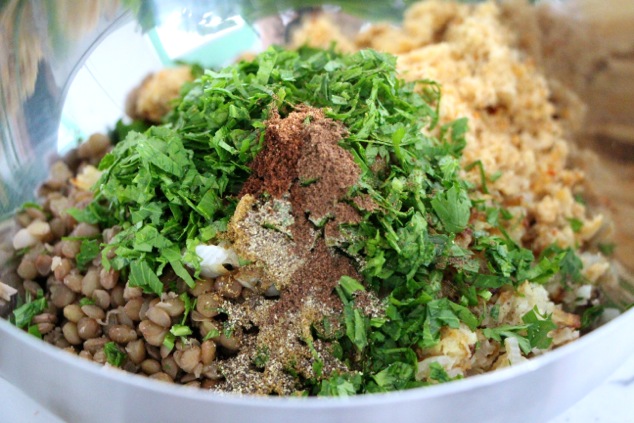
(534, 391)
(47, 115)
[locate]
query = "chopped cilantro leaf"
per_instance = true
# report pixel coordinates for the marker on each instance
(341, 385)
(483, 177)
(356, 326)
(35, 331)
(31, 205)
(86, 301)
(262, 356)
(439, 374)
(395, 376)
(86, 215)
(180, 330)
(168, 341)
(538, 328)
(350, 285)
(213, 333)
(494, 312)
(143, 276)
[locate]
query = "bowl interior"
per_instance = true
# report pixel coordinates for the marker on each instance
(77, 73)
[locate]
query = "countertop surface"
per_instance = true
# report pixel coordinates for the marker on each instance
(610, 402)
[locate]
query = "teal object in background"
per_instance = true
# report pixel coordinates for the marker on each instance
(211, 50)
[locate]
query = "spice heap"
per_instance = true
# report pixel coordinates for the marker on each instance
(300, 169)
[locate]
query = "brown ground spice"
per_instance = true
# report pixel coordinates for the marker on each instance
(275, 167)
(301, 163)
(326, 171)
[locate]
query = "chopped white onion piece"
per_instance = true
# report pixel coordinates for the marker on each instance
(6, 291)
(513, 351)
(214, 260)
(609, 313)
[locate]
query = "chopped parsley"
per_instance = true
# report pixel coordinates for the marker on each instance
(532, 334)
(23, 315)
(114, 356)
(86, 301)
(88, 250)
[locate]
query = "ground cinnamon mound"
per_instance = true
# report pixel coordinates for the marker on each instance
(326, 171)
(275, 167)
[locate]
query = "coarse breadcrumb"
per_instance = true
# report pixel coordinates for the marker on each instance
(152, 99)
(513, 129)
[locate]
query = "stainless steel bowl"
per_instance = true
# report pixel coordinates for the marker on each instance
(66, 68)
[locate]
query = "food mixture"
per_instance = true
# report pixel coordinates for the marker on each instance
(343, 216)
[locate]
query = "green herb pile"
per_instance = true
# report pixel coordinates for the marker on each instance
(175, 186)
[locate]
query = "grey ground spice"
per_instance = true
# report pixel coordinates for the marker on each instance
(258, 236)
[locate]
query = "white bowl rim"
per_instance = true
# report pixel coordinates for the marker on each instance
(199, 395)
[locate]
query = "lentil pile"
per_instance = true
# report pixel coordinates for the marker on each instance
(308, 223)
